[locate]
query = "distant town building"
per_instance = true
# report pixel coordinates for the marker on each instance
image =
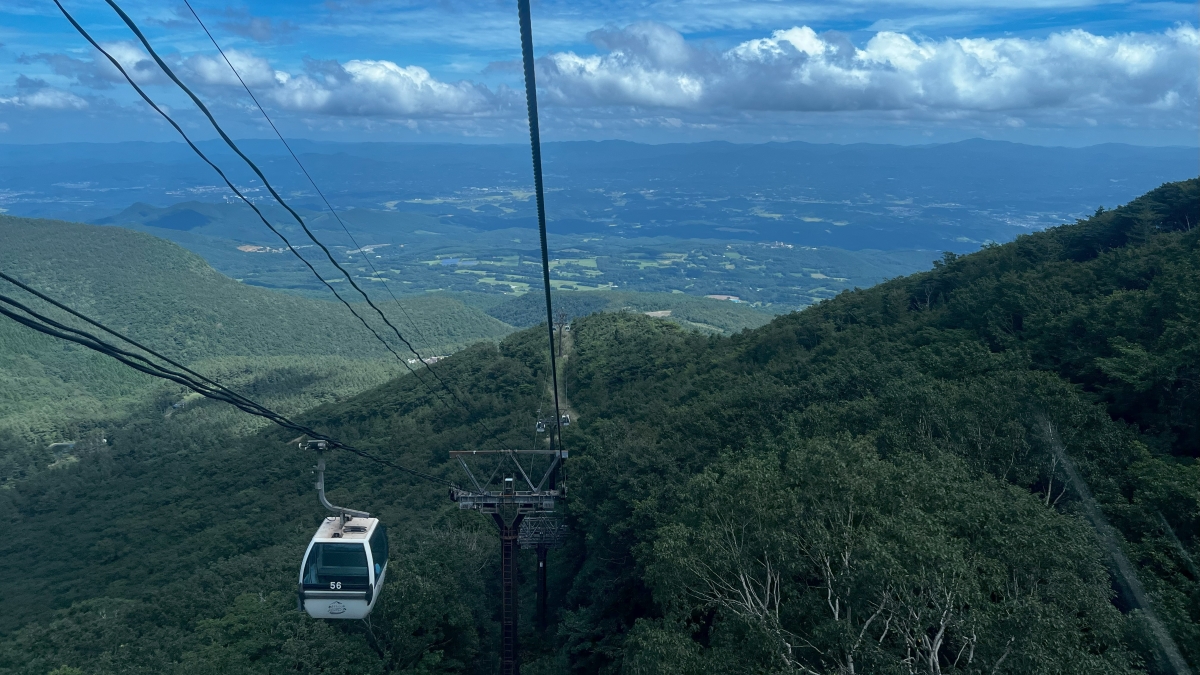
(250, 248)
(429, 361)
(731, 298)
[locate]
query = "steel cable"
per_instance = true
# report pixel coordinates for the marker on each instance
(258, 212)
(262, 177)
(535, 144)
(53, 328)
(304, 170)
(82, 31)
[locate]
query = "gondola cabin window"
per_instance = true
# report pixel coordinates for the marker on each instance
(337, 567)
(379, 551)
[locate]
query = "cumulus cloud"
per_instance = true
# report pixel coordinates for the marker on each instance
(213, 71)
(797, 69)
(647, 64)
(1075, 77)
(32, 93)
(357, 88)
(363, 88)
(98, 72)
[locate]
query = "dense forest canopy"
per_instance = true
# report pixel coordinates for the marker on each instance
(880, 483)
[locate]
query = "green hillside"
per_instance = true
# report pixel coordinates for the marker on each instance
(873, 485)
(173, 301)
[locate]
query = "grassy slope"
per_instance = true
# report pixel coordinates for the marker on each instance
(933, 376)
(173, 301)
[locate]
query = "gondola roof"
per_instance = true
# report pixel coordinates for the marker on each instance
(354, 529)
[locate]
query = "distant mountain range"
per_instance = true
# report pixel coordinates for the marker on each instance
(941, 197)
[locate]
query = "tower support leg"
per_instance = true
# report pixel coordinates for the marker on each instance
(541, 589)
(510, 663)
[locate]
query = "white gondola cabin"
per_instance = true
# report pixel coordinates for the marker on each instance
(344, 568)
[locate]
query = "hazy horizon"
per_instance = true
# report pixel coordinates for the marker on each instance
(482, 141)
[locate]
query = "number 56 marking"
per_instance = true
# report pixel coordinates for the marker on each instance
(335, 585)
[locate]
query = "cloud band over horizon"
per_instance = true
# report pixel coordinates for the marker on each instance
(648, 70)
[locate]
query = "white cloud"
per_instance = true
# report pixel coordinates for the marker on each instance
(647, 64)
(37, 94)
(132, 58)
(99, 72)
(54, 99)
(798, 70)
(358, 88)
(212, 70)
(1070, 78)
(363, 88)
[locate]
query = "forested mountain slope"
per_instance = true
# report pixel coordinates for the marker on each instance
(173, 301)
(870, 485)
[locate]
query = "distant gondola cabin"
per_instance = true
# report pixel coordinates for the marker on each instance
(343, 569)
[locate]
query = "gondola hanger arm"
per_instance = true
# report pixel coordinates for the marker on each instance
(344, 513)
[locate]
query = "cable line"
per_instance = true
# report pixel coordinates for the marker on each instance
(112, 332)
(258, 172)
(82, 31)
(229, 141)
(48, 326)
(146, 97)
(147, 366)
(535, 145)
(303, 170)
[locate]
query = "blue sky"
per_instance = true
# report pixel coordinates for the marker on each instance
(1058, 72)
